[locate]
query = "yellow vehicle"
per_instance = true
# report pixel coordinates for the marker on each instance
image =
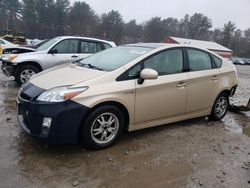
(20, 38)
(16, 38)
(7, 35)
(1, 50)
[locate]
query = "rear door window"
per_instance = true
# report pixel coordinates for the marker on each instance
(88, 47)
(167, 62)
(199, 60)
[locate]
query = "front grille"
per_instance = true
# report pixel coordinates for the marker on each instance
(26, 122)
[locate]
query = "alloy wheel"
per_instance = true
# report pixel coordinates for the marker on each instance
(105, 128)
(221, 107)
(26, 75)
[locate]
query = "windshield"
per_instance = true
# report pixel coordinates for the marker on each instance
(114, 58)
(2, 41)
(47, 44)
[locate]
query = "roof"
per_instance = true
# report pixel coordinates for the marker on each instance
(201, 44)
(153, 45)
(146, 45)
(87, 38)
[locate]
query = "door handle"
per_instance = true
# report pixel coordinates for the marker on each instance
(215, 78)
(181, 84)
(74, 56)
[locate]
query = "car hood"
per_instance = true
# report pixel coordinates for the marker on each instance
(31, 53)
(63, 76)
(27, 56)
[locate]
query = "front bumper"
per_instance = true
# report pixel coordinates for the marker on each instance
(8, 68)
(67, 118)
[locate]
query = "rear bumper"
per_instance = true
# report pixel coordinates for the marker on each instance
(66, 118)
(233, 90)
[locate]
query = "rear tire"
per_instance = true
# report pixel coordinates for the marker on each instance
(220, 107)
(102, 127)
(24, 72)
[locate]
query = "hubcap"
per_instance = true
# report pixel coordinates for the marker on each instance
(104, 128)
(221, 107)
(26, 74)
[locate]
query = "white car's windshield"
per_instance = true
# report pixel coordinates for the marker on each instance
(47, 44)
(114, 58)
(2, 41)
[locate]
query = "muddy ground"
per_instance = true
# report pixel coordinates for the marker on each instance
(193, 153)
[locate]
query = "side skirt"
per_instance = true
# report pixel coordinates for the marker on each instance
(158, 122)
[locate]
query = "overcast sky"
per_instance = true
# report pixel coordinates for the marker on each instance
(220, 11)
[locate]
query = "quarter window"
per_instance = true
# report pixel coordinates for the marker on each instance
(168, 62)
(199, 60)
(67, 46)
(90, 47)
(217, 61)
(107, 46)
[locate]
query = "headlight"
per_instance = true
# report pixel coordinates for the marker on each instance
(60, 94)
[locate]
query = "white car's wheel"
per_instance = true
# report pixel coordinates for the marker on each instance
(25, 72)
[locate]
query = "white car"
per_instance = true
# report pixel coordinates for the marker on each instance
(10, 51)
(57, 51)
(6, 44)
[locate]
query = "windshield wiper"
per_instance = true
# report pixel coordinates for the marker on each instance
(77, 61)
(87, 65)
(94, 67)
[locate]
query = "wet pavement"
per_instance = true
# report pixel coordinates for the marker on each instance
(190, 154)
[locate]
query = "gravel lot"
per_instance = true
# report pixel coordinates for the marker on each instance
(193, 153)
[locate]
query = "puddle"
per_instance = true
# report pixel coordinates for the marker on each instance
(246, 131)
(232, 125)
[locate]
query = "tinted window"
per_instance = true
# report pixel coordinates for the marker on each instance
(1, 42)
(217, 61)
(90, 47)
(67, 46)
(199, 60)
(168, 62)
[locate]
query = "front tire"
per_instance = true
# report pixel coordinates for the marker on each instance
(220, 107)
(24, 73)
(102, 127)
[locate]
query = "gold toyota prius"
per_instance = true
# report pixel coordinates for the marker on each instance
(127, 88)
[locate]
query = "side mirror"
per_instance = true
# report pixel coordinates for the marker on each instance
(53, 51)
(147, 74)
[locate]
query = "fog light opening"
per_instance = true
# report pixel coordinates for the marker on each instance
(46, 125)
